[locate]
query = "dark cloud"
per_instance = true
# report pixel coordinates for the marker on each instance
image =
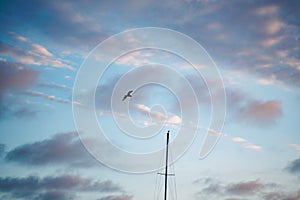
(281, 195)
(64, 148)
(236, 199)
(2, 149)
(294, 166)
(214, 188)
(16, 76)
(117, 197)
(245, 188)
(262, 40)
(57, 195)
(54, 187)
(24, 112)
(235, 190)
(63, 25)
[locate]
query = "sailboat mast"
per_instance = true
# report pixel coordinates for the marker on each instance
(166, 170)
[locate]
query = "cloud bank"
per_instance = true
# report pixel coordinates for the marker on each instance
(61, 149)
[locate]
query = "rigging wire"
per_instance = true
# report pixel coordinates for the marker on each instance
(158, 180)
(173, 179)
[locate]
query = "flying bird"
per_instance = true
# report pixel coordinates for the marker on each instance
(127, 95)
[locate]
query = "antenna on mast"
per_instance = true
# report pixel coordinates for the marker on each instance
(166, 168)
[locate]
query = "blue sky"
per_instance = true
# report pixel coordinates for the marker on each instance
(44, 47)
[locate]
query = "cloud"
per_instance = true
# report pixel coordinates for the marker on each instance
(174, 120)
(41, 50)
(282, 195)
(252, 111)
(57, 195)
(261, 112)
(148, 112)
(157, 116)
(36, 55)
(62, 149)
(117, 197)
(238, 139)
(245, 188)
(246, 144)
(16, 76)
(241, 106)
(252, 146)
(47, 97)
(258, 23)
(133, 59)
(295, 146)
(56, 187)
(54, 86)
(267, 10)
(294, 166)
(213, 188)
(2, 150)
(273, 26)
(65, 25)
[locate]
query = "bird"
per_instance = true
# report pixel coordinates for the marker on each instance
(127, 95)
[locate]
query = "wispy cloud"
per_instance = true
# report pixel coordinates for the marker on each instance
(245, 143)
(157, 116)
(32, 93)
(295, 146)
(41, 50)
(249, 189)
(238, 139)
(252, 146)
(35, 54)
(54, 86)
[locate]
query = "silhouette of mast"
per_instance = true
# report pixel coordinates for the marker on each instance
(166, 167)
(166, 170)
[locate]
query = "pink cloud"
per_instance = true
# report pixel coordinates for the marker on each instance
(248, 187)
(252, 146)
(263, 113)
(15, 76)
(273, 26)
(41, 50)
(267, 10)
(174, 120)
(238, 139)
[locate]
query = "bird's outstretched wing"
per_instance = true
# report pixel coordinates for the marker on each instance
(127, 95)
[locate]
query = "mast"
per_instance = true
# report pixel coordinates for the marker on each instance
(166, 167)
(166, 170)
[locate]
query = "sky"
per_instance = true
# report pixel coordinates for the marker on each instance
(222, 76)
